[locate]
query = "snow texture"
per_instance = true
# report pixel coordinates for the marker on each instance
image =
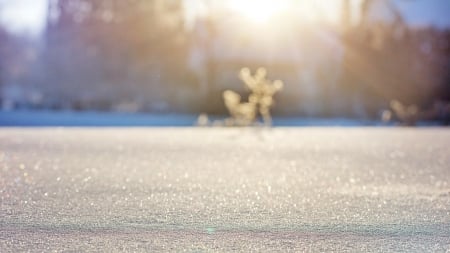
(220, 190)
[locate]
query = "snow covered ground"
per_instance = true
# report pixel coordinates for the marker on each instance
(218, 189)
(102, 119)
(91, 118)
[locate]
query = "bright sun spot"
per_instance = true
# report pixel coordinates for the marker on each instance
(258, 11)
(23, 15)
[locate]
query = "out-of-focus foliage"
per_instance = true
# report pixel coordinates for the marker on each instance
(17, 55)
(99, 51)
(387, 61)
(242, 113)
(262, 91)
(260, 99)
(410, 115)
(144, 55)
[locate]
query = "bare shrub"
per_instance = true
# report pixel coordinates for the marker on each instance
(260, 99)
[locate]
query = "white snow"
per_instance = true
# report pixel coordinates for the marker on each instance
(218, 189)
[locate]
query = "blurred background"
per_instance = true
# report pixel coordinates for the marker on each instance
(338, 59)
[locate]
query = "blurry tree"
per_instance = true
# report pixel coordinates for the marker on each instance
(3, 40)
(113, 50)
(386, 60)
(17, 54)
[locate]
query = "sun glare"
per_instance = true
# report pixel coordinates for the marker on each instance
(258, 11)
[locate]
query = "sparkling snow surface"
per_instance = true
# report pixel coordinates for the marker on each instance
(216, 189)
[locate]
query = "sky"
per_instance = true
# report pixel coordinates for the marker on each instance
(23, 15)
(423, 12)
(29, 15)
